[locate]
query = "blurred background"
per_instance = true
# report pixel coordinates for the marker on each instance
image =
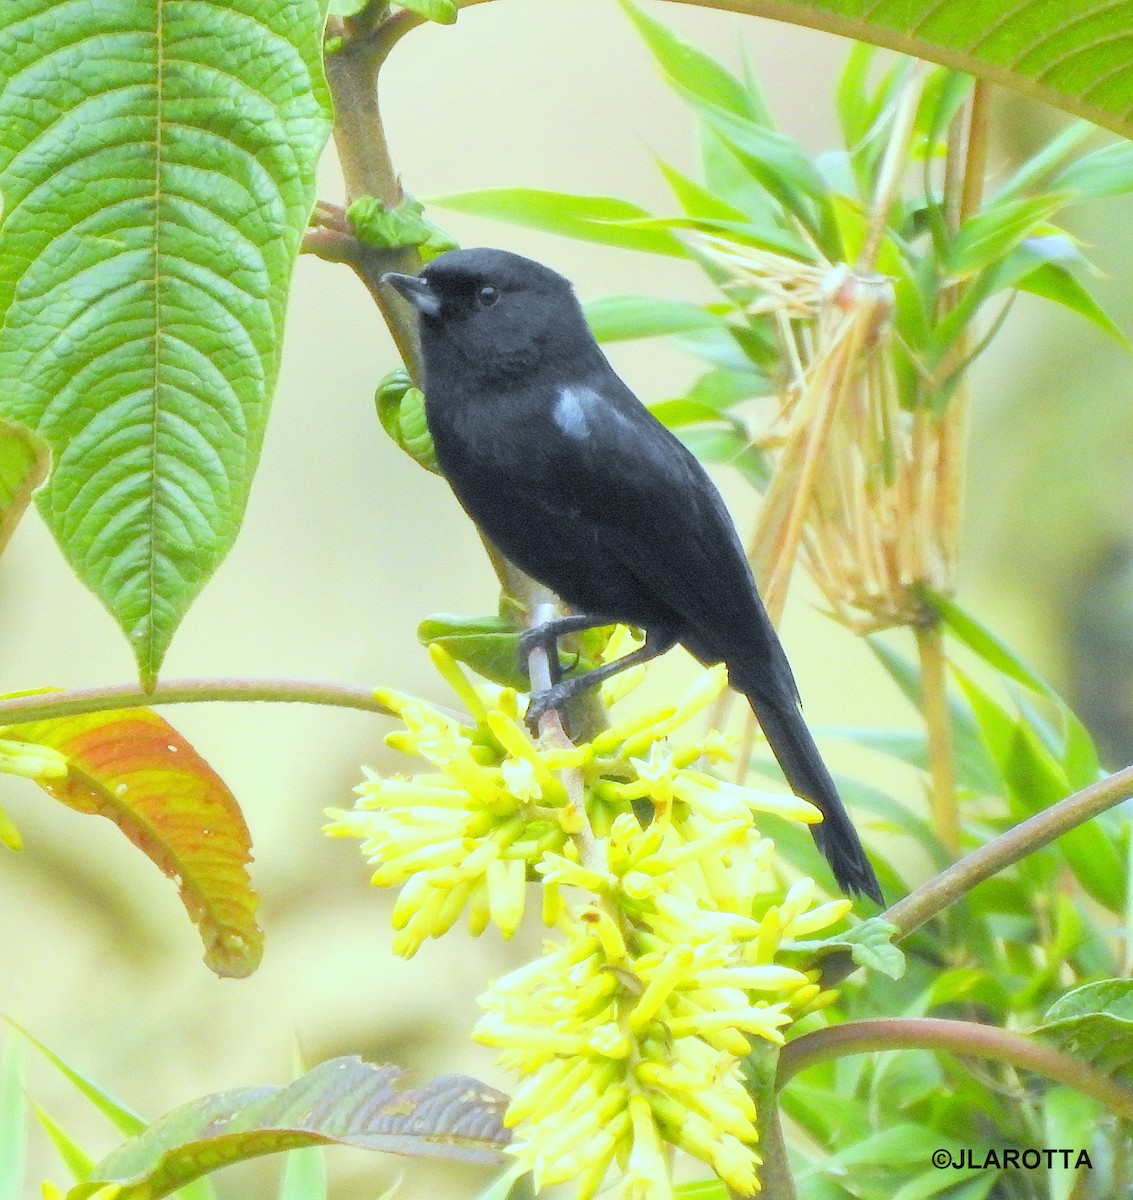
(348, 544)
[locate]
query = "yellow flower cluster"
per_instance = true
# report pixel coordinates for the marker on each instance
(464, 836)
(630, 1030)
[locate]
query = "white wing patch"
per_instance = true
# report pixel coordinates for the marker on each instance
(571, 409)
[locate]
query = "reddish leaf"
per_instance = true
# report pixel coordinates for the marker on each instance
(132, 766)
(343, 1101)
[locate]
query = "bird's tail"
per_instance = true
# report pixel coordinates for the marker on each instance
(793, 746)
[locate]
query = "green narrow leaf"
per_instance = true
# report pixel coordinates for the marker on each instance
(24, 463)
(620, 318)
(1031, 174)
(970, 748)
(74, 1157)
(124, 1119)
(590, 218)
(13, 1121)
(157, 162)
(1054, 282)
(696, 199)
(1034, 779)
(994, 232)
(985, 644)
(1069, 1119)
(726, 176)
(943, 1183)
(1105, 172)
(1080, 756)
(689, 66)
(857, 111)
(778, 162)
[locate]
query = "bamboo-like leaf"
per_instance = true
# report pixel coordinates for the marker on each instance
(77, 1161)
(343, 1101)
(124, 1119)
(688, 65)
(995, 232)
(157, 164)
(591, 218)
(136, 769)
(1054, 282)
(620, 318)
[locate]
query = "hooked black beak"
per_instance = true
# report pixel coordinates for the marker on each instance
(416, 290)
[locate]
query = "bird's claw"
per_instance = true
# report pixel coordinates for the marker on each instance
(538, 637)
(542, 702)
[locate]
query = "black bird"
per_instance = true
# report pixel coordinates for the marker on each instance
(571, 476)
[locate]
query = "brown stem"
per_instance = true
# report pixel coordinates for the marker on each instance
(367, 168)
(957, 1037)
(938, 727)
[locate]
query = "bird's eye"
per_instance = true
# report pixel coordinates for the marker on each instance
(487, 295)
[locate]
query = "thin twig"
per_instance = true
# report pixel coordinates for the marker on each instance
(1025, 838)
(43, 706)
(938, 726)
(956, 1037)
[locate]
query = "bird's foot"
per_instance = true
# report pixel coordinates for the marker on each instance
(542, 702)
(538, 637)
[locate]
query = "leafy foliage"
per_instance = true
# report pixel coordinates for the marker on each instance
(1011, 945)
(133, 767)
(156, 191)
(154, 205)
(1095, 1022)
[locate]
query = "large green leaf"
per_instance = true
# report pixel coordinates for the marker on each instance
(157, 164)
(1074, 54)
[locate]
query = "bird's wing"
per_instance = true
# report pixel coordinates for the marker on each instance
(615, 470)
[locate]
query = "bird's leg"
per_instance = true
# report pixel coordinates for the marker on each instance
(546, 637)
(656, 643)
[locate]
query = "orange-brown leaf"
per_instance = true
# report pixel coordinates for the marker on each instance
(132, 766)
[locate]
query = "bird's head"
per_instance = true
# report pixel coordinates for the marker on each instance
(493, 314)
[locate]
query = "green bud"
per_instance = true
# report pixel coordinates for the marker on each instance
(401, 410)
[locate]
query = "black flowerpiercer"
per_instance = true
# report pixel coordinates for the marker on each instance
(567, 472)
